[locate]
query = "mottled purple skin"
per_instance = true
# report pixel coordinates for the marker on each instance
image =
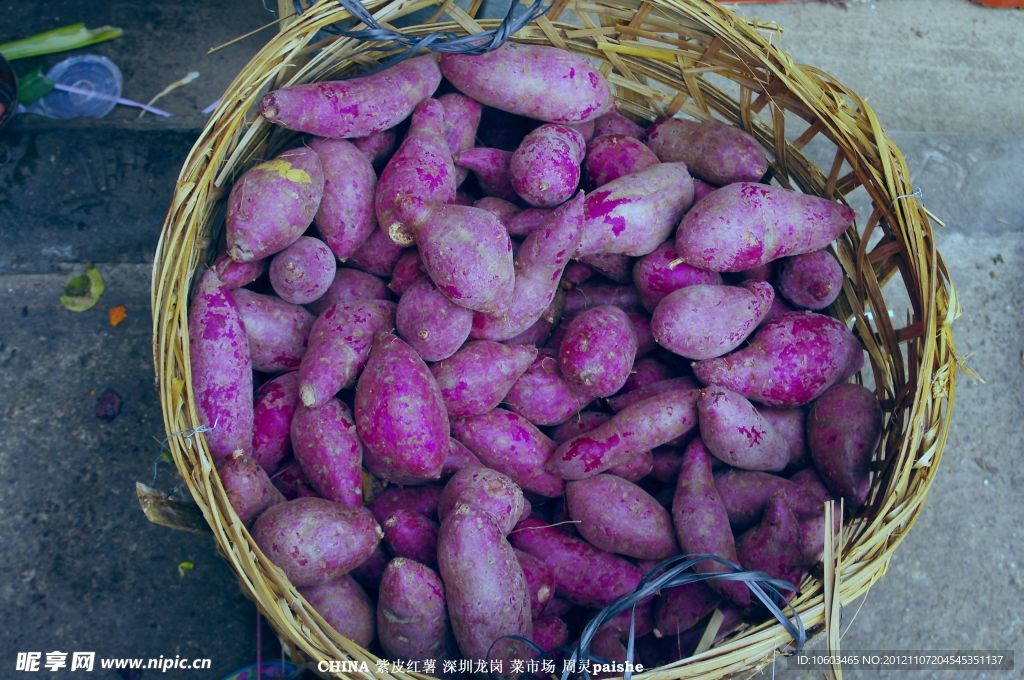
(468, 255)
(717, 153)
(458, 458)
(412, 617)
(746, 493)
(475, 379)
(355, 107)
(370, 571)
(510, 444)
(537, 334)
(636, 213)
(346, 217)
(400, 414)
(778, 308)
(411, 535)
(408, 271)
(303, 271)
(377, 146)
(586, 128)
(773, 546)
(812, 528)
(499, 207)
(598, 350)
(621, 401)
(812, 280)
(618, 516)
(610, 157)
(618, 268)
(237, 274)
(526, 221)
(349, 285)
(273, 410)
(422, 500)
(420, 174)
(536, 81)
(634, 466)
(641, 323)
(485, 489)
(289, 476)
(545, 169)
(221, 368)
(485, 586)
(590, 295)
(539, 264)
(764, 272)
(681, 608)
(377, 255)
(543, 396)
(582, 573)
(701, 522)
(666, 464)
(607, 644)
(844, 427)
(809, 479)
(704, 321)
(550, 632)
(584, 422)
(432, 324)
(277, 330)
(345, 606)
(701, 189)
(737, 434)
(462, 118)
(272, 204)
(540, 583)
(791, 424)
(642, 426)
(326, 445)
(314, 540)
(744, 225)
(338, 347)
(491, 167)
(646, 372)
(248, 488)
(614, 123)
(660, 272)
(789, 362)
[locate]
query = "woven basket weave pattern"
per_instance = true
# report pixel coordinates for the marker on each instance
(661, 57)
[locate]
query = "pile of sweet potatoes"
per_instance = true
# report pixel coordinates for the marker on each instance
(474, 362)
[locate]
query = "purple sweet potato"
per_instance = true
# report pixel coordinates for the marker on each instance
(636, 213)
(345, 606)
(346, 217)
(412, 618)
(705, 321)
(621, 401)
(491, 167)
(485, 586)
(545, 169)
(540, 582)
(272, 204)
(522, 223)
(273, 410)
(419, 175)
(745, 494)
(277, 330)
(586, 128)
(408, 270)
(539, 265)
(618, 516)
(377, 255)
(610, 157)
(717, 153)
(458, 458)
(681, 608)
(582, 573)
(543, 396)
(588, 296)
(614, 123)
(355, 107)
(537, 81)
(550, 632)
(339, 344)
(660, 272)
(744, 225)
(614, 266)
(584, 421)
(702, 525)
(221, 368)
(377, 146)
(737, 434)
(812, 280)
(411, 535)
(400, 414)
(701, 189)
(598, 350)
(789, 362)
(476, 379)
(640, 427)
(314, 540)
(646, 372)
(422, 500)
(237, 274)
(247, 486)
(462, 118)
(289, 477)
(370, 571)
(791, 424)
(329, 451)
(486, 489)
(508, 443)
(773, 546)
(432, 324)
(503, 209)
(350, 285)
(303, 271)
(634, 466)
(844, 427)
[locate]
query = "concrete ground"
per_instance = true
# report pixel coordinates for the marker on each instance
(84, 571)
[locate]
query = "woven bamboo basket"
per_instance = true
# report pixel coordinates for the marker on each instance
(662, 57)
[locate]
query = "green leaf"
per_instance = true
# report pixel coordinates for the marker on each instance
(166, 457)
(185, 567)
(33, 86)
(83, 291)
(58, 40)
